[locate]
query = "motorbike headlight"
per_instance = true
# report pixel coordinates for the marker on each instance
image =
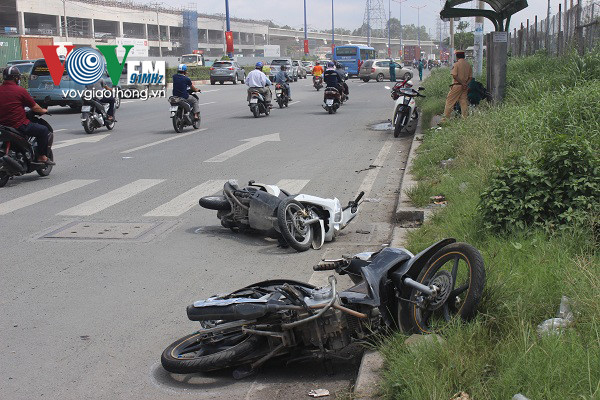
(338, 212)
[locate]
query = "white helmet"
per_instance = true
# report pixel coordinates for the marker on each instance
(409, 84)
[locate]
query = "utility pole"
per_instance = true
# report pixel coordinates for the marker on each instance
(228, 34)
(478, 45)
(419, 25)
(451, 40)
(332, 32)
(305, 32)
(368, 22)
(400, 20)
(547, 39)
(389, 28)
(156, 5)
(65, 19)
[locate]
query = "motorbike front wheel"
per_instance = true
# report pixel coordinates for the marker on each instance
(196, 123)
(4, 177)
(110, 125)
(46, 170)
(458, 271)
(399, 123)
(291, 215)
(192, 353)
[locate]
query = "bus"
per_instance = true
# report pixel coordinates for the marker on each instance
(349, 56)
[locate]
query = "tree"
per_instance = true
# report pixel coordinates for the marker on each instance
(462, 39)
(462, 25)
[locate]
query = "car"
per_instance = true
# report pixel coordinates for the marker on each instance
(276, 66)
(41, 87)
(301, 70)
(379, 69)
(192, 60)
(222, 71)
(24, 68)
(13, 62)
(308, 66)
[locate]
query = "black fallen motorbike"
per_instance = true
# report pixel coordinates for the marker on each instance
(258, 104)
(18, 154)
(182, 114)
(94, 115)
(393, 289)
(281, 95)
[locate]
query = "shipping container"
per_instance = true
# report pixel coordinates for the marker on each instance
(411, 53)
(10, 49)
(29, 46)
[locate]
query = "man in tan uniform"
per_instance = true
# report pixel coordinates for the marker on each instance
(462, 74)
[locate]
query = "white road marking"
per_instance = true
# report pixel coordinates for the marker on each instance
(294, 186)
(111, 198)
(204, 104)
(185, 201)
(295, 102)
(59, 130)
(71, 142)
(362, 84)
(367, 183)
(162, 141)
(212, 90)
(36, 197)
(250, 143)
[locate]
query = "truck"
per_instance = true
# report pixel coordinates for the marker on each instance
(411, 53)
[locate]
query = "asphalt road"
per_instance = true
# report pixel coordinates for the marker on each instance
(89, 318)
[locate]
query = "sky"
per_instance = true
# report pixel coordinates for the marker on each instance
(349, 14)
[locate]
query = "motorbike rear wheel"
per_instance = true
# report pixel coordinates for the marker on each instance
(290, 219)
(255, 112)
(46, 171)
(280, 102)
(192, 353)
(4, 177)
(178, 123)
(458, 270)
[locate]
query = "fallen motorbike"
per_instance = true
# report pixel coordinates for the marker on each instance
(285, 318)
(300, 221)
(281, 95)
(405, 109)
(317, 82)
(332, 99)
(18, 153)
(181, 113)
(258, 104)
(94, 115)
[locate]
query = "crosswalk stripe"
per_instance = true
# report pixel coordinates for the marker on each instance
(36, 197)
(185, 201)
(163, 141)
(111, 198)
(294, 186)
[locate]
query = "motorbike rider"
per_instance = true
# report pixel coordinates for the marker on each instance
(283, 78)
(181, 83)
(333, 78)
(342, 71)
(317, 71)
(13, 99)
(99, 93)
(258, 81)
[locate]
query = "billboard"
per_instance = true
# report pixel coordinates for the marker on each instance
(272, 50)
(140, 47)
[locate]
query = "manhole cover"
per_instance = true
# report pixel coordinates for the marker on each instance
(384, 126)
(106, 231)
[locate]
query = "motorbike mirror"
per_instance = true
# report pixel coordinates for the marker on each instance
(387, 87)
(421, 88)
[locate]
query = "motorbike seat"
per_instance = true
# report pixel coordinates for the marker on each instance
(11, 130)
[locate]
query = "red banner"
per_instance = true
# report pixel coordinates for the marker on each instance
(305, 46)
(229, 41)
(389, 51)
(332, 48)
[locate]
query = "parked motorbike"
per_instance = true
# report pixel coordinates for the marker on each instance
(281, 95)
(18, 154)
(182, 114)
(317, 82)
(94, 115)
(300, 221)
(405, 109)
(332, 99)
(258, 104)
(284, 318)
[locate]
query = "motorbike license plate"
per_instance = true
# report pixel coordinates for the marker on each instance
(86, 108)
(278, 91)
(329, 102)
(173, 108)
(253, 101)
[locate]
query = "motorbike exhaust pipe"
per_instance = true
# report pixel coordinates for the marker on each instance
(13, 165)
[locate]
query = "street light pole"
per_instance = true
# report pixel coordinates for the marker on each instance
(305, 32)
(389, 30)
(332, 31)
(400, 20)
(419, 25)
(65, 18)
(228, 27)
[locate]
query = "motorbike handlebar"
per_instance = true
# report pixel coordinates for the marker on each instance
(327, 265)
(360, 196)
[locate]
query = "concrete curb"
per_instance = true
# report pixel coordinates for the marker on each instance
(366, 386)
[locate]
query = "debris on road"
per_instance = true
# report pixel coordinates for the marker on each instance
(519, 396)
(439, 200)
(363, 231)
(318, 393)
(369, 168)
(372, 200)
(447, 163)
(461, 396)
(564, 318)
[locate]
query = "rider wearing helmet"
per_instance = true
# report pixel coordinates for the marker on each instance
(342, 71)
(13, 98)
(333, 78)
(181, 85)
(283, 78)
(258, 81)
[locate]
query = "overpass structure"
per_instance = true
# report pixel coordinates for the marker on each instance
(166, 31)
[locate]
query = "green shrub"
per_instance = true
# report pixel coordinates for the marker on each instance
(560, 188)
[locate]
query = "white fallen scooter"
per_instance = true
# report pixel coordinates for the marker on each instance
(300, 221)
(405, 108)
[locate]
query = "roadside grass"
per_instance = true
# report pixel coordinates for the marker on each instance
(500, 354)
